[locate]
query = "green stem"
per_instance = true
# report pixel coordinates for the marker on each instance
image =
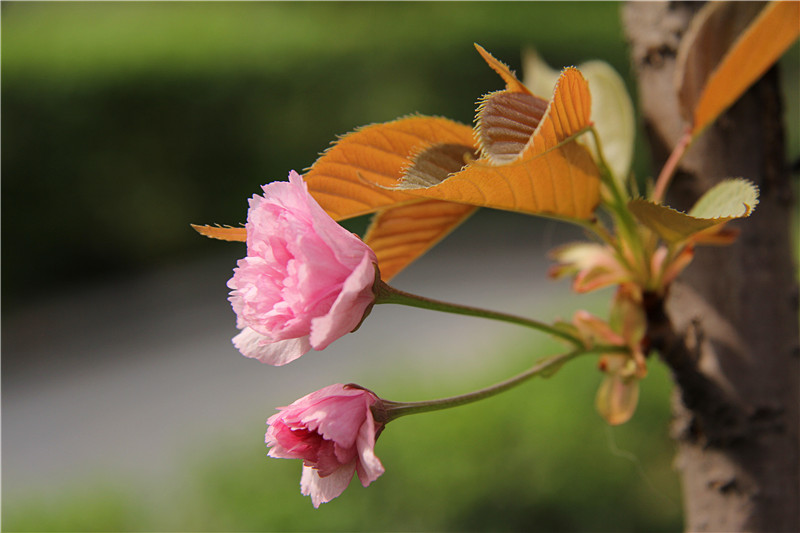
(390, 295)
(605, 170)
(618, 208)
(391, 410)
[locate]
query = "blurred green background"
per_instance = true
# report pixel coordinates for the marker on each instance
(124, 122)
(537, 458)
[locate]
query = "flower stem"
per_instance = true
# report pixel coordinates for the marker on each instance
(390, 295)
(390, 410)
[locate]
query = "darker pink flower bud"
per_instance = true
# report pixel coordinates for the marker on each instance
(306, 281)
(333, 431)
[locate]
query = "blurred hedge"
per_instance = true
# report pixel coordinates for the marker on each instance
(124, 122)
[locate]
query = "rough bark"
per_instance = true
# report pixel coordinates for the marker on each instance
(729, 329)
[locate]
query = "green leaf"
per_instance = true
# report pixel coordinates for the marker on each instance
(728, 200)
(670, 224)
(733, 198)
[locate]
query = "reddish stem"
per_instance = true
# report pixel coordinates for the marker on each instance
(669, 167)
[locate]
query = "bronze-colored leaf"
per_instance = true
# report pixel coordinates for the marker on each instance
(512, 83)
(506, 121)
(223, 233)
(738, 58)
(710, 35)
(354, 177)
(433, 165)
(612, 109)
(552, 175)
(399, 235)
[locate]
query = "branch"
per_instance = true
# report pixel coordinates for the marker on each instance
(718, 418)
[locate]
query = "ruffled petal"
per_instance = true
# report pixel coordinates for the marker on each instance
(348, 310)
(338, 418)
(252, 344)
(324, 489)
(368, 465)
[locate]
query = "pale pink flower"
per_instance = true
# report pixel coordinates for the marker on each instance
(306, 281)
(667, 269)
(333, 431)
(595, 266)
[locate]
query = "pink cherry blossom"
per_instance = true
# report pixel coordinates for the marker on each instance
(333, 431)
(306, 281)
(595, 266)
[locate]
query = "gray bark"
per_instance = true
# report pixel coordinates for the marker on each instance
(729, 328)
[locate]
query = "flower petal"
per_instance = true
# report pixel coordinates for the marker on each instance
(277, 353)
(349, 307)
(338, 418)
(301, 266)
(324, 489)
(369, 467)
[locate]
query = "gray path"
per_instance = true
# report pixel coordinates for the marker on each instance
(124, 379)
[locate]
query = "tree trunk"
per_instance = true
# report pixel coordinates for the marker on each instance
(731, 336)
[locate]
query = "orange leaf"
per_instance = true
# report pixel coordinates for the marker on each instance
(506, 122)
(512, 83)
(710, 35)
(551, 174)
(223, 233)
(354, 176)
(759, 46)
(401, 234)
(506, 119)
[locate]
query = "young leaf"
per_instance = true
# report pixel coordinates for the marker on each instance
(506, 121)
(612, 108)
(670, 224)
(730, 199)
(733, 198)
(512, 83)
(354, 176)
(710, 35)
(551, 174)
(399, 235)
(746, 59)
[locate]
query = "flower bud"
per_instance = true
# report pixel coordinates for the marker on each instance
(333, 431)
